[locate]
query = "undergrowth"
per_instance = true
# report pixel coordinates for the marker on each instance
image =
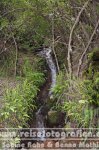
(78, 98)
(21, 99)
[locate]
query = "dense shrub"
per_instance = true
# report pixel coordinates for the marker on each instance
(20, 100)
(78, 98)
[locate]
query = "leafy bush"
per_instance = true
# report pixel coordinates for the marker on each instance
(90, 90)
(62, 84)
(20, 100)
(77, 98)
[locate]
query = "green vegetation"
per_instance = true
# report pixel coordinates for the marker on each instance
(18, 102)
(70, 28)
(79, 99)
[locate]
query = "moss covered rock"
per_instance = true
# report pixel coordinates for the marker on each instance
(95, 55)
(52, 117)
(93, 63)
(95, 60)
(55, 118)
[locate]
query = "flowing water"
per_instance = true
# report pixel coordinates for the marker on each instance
(46, 53)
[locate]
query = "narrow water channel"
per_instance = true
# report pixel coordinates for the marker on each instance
(46, 53)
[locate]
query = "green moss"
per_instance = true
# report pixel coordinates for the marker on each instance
(93, 63)
(94, 55)
(52, 117)
(68, 125)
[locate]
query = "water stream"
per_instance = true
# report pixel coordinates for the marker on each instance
(46, 53)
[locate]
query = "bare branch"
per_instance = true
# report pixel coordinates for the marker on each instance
(70, 38)
(86, 49)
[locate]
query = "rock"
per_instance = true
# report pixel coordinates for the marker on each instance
(68, 125)
(95, 65)
(52, 117)
(95, 56)
(55, 118)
